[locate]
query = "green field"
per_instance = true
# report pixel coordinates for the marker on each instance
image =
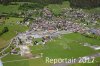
(57, 8)
(66, 47)
(96, 63)
(12, 25)
(9, 9)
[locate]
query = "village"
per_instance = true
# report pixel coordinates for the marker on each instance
(48, 27)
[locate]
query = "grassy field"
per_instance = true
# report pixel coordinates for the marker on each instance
(13, 27)
(66, 47)
(57, 8)
(9, 8)
(30, 62)
(96, 63)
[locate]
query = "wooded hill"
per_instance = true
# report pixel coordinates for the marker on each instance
(85, 3)
(76, 3)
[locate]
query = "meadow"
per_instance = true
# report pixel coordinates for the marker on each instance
(13, 27)
(67, 47)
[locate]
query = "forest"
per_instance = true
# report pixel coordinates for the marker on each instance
(73, 3)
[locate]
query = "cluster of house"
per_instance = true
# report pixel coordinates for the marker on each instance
(23, 40)
(76, 14)
(47, 13)
(55, 25)
(79, 14)
(21, 43)
(68, 21)
(52, 27)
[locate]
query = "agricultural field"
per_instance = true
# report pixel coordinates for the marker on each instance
(12, 25)
(57, 8)
(66, 47)
(9, 8)
(97, 62)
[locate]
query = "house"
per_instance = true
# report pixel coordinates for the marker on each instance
(95, 31)
(26, 39)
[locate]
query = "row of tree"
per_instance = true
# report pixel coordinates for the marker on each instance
(85, 3)
(77, 3)
(6, 2)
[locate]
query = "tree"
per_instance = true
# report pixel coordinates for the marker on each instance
(55, 1)
(5, 2)
(85, 3)
(5, 29)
